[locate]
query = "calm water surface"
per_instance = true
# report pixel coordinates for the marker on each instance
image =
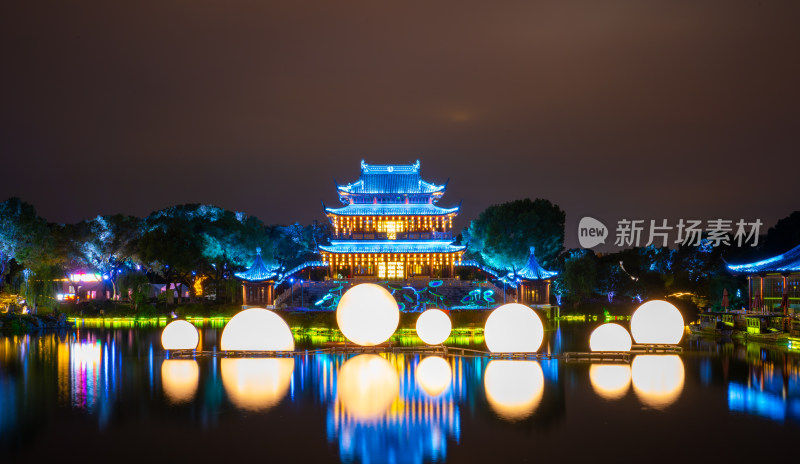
(112, 394)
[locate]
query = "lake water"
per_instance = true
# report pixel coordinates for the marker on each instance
(111, 394)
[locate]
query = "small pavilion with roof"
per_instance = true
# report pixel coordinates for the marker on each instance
(773, 283)
(533, 282)
(258, 283)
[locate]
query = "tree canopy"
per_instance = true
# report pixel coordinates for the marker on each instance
(502, 235)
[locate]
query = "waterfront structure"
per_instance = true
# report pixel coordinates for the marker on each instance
(390, 227)
(773, 283)
(533, 282)
(258, 283)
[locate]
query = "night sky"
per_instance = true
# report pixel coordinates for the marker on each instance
(612, 109)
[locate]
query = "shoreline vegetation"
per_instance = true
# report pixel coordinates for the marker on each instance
(108, 312)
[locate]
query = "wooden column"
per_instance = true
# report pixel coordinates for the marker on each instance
(547, 293)
(244, 293)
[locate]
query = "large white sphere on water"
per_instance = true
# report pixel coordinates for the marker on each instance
(180, 335)
(513, 388)
(367, 386)
(434, 375)
(433, 326)
(367, 314)
(657, 379)
(657, 322)
(610, 337)
(257, 329)
(513, 328)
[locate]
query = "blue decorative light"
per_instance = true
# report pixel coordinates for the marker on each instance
(532, 270)
(383, 209)
(392, 246)
(784, 262)
(258, 272)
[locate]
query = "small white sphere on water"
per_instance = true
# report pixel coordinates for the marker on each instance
(433, 326)
(180, 335)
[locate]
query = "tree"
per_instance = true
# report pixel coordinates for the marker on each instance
(580, 275)
(502, 235)
(21, 230)
(105, 244)
(784, 236)
(171, 249)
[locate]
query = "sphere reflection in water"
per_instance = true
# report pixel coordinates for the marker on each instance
(657, 379)
(256, 384)
(179, 378)
(433, 326)
(367, 386)
(610, 381)
(257, 329)
(657, 321)
(180, 335)
(513, 388)
(610, 337)
(513, 328)
(367, 314)
(433, 375)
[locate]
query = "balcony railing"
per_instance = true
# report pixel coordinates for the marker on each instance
(398, 236)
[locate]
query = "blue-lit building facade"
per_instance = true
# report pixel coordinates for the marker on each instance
(774, 283)
(390, 227)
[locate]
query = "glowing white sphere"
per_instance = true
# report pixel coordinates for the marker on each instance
(179, 378)
(257, 329)
(657, 379)
(610, 337)
(513, 328)
(513, 388)
(433, 326)
(367, 387)
(433, 375)
(611, 381)
(367, 314)
(657, 322)
(180, 335)
(256, 384)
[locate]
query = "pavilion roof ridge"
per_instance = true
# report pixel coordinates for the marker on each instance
(788, 261)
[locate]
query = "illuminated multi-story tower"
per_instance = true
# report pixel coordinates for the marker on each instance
(390, 227)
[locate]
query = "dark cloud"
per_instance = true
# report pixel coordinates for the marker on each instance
(612, 109)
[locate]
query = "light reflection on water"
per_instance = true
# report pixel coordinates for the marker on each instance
(256, 384)
(657, 379)
(400, 407)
